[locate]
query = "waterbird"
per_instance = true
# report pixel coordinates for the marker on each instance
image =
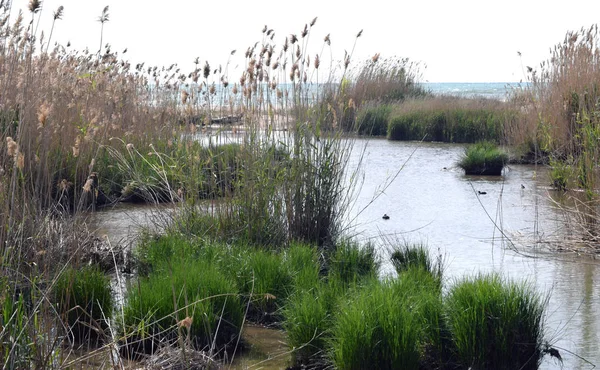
(522, 186)
(385, 217)
(481, 192)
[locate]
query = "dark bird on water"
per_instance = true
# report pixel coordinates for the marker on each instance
(386, 217)
(481, 192)
(522, 186)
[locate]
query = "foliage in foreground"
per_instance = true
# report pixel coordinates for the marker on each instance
(157, 307)
(495, 324)
(85, 300)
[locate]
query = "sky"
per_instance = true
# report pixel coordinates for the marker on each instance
(454, 41)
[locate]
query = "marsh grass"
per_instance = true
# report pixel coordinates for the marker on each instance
(156, 307)
(449, 119)
(353, 262)
(376, 329)
(265, 280)
(85, 300)
(406, 256)
(495, 323)
(309, 315)
(483, 158)
(373, 120)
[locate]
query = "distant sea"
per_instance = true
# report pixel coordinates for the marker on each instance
(491, 90)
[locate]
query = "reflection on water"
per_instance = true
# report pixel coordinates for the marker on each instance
(506, 230)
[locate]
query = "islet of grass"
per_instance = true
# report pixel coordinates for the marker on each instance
(483, 158)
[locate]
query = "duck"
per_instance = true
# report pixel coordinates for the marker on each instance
(385, 216)
(481, 192)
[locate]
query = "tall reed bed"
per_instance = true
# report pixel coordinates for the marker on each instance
(561, 107)
(450, 119)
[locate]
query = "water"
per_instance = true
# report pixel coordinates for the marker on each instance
(489, 90)
(432, 201)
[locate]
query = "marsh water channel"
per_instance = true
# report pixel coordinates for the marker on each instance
(512, 229)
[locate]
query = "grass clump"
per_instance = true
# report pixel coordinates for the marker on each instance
(264, 278)
(309, 316)
(376, 330)
(352, 262)
(373, 120)
(483, 158)
(495, 324)
(194, 289)
(409, 256)
(85, 302)
(304, 265)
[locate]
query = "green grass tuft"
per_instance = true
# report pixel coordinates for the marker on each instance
(195, 289)
(483, 158)
(495, 324)
(85, 302)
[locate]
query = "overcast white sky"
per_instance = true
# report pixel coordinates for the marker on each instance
(457, 40)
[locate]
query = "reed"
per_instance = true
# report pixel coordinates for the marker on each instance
(374, 120)
(450, 119)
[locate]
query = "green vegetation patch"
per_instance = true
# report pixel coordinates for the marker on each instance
(196, 289)
(483, 158)
(495, 324)
(85, 302)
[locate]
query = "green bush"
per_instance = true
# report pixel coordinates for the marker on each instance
(483, 158)
(495, 324)
(85, 302)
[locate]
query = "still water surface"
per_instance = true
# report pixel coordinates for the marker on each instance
(432, 201)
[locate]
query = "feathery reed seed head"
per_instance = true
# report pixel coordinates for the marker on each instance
(34, 6)
(12, 146)
(58, 13)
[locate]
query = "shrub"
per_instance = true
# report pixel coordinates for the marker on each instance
(85, 301)
(495, 324)
(483, 158)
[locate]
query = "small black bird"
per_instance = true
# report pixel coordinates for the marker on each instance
(386, 217)
(482, 192)
(522, 186)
